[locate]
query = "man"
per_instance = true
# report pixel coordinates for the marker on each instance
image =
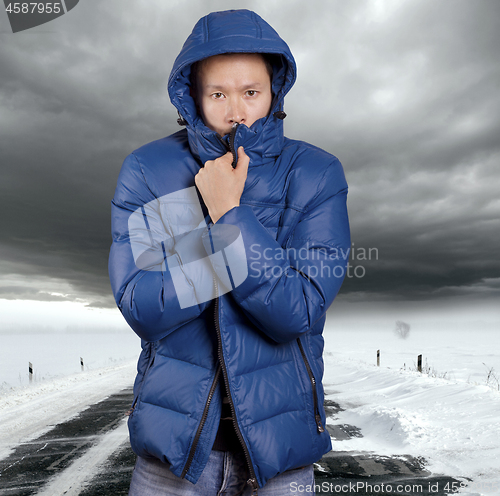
(228, 283)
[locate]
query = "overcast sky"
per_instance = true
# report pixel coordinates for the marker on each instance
(405, 93)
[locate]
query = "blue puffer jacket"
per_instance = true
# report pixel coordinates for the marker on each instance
(263, 334)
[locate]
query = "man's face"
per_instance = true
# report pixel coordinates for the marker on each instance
(233, 88)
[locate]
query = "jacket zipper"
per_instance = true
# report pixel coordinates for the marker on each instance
(317, 417)
(253, 479)
(232, 136)
(217, 373)
(230, 146)
(202, 422)
(146, 372)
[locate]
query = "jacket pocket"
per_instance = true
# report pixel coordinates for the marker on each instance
(152, 354)
(317, 416)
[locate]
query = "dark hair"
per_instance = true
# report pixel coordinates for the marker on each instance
(195, 69)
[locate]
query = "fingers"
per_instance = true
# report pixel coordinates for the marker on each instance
(225, 160)
(243, 161)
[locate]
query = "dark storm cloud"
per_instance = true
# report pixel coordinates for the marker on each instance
(74, 103)
(406, 94)
(414, 116)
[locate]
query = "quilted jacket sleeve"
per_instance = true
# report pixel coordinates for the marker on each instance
(288, 289)
(141, 281)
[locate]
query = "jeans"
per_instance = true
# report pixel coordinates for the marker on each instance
(225, 474)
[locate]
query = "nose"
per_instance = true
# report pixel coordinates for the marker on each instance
(236, 111)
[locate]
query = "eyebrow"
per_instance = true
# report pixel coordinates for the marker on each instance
(220, 86)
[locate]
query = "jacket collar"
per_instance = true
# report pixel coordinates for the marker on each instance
(262, 142)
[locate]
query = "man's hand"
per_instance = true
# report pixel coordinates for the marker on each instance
(220, 185)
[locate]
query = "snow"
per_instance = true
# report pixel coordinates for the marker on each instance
(28, 412)
(452, 422)
(57, 354)
(73, 479)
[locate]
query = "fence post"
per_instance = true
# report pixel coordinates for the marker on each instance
(30, 370)
(419, 363)
(81, 363)
(378, 358)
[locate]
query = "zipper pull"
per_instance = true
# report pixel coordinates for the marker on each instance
(132, 408)
(255, 487)
(319, 423)
(317, 417)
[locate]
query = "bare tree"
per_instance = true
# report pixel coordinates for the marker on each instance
(402, 329)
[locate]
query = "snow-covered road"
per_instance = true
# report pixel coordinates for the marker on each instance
(66, 458)
(384, 418)
(27, 413)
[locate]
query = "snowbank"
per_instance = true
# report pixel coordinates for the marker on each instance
(455, 426)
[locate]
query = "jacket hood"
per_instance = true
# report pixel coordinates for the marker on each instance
(235, 31)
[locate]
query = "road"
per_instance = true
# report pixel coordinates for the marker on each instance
(89, 455)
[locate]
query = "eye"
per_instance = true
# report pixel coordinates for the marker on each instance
(218, 95)
(251, 92)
